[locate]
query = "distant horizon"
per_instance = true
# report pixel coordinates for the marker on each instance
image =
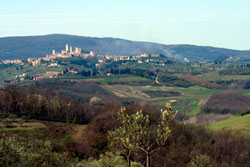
(125, 39)
(223, 24)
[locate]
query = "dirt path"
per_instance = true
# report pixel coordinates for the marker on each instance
(157, 80)
(77, 135)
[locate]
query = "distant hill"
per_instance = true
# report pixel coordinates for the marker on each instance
(39, 46)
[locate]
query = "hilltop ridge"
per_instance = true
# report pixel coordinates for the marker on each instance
(22, 47)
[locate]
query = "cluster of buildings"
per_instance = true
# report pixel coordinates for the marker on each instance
(132, 58)
(16, 61)
(50, 61)
(69, 53)
(139, 58)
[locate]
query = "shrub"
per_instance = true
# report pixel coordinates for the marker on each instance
(74, 121)
(23, 152)
(107, 160)
(7, 122)
(247, 111)
(67, 140)
(13, 117)
(200, 161)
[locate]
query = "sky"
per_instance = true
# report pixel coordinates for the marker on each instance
(218, 23)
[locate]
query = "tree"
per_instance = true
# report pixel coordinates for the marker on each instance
(122, 139)
(11, 99)
(95, 101)
(138, 133)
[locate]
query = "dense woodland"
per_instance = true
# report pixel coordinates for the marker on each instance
(45, 104)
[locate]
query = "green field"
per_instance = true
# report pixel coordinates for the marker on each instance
(196, 108)
(215, 76)
(191, 106)
(237, 124)
(190, 100)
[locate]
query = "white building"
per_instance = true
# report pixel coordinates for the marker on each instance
(67, 48)
(70, 49)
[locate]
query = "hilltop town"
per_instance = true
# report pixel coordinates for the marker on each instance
(69, 53)
(74, 61)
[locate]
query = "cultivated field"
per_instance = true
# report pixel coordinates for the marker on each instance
(237, 124)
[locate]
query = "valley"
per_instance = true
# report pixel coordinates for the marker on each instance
(71, 99)
(112, 83)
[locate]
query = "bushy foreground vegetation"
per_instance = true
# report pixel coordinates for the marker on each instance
(143, 135)
(21, 152)
(187, 144)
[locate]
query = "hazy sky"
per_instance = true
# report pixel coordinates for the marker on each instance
(220, 23)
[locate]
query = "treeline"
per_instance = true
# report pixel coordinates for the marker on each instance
(243, 70)
(120, 71)
(138, 72)
(44, 104)
(89, 73)
(171, 80)
(79, 90)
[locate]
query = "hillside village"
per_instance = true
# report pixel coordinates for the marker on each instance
(52, 60)
(69, 53)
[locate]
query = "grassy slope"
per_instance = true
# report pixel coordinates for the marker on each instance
(196, 109)
(238, 124)
(26, 126)
(56, 132)
(215, 76)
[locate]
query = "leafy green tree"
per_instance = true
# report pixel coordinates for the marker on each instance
(137, 133)
(122, 139)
